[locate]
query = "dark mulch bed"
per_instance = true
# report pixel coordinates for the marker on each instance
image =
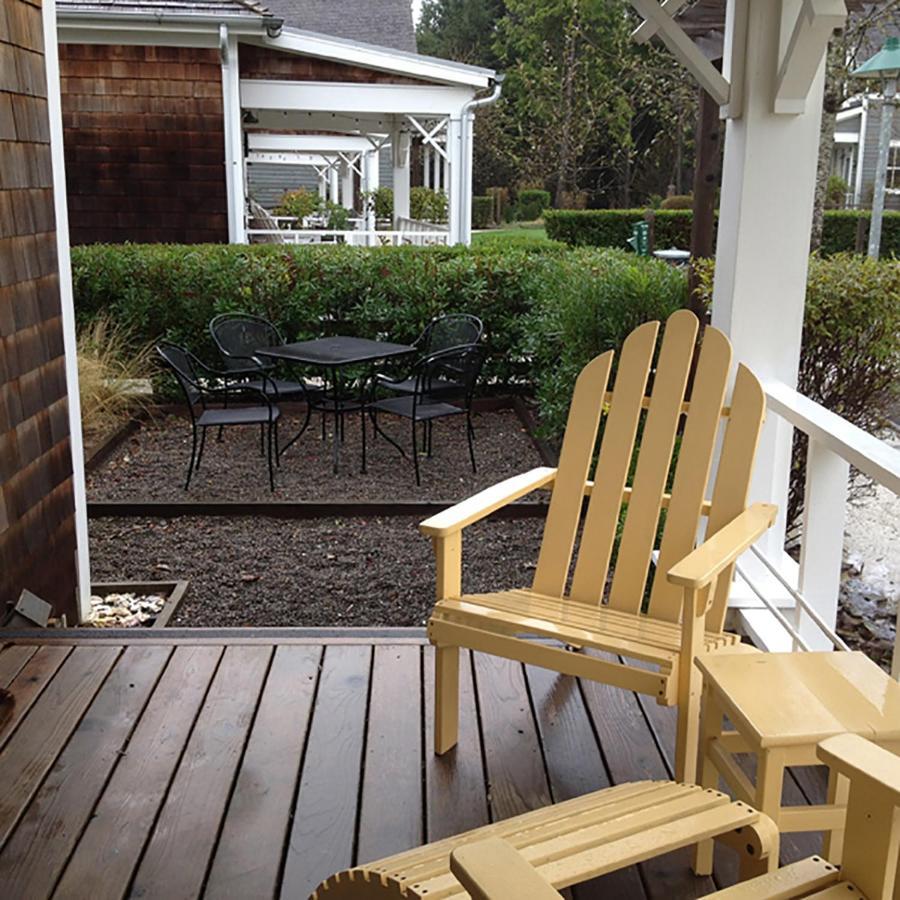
(326, 572)
(151, 464)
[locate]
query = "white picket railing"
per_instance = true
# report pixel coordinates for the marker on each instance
(393, 238)
(796, 603)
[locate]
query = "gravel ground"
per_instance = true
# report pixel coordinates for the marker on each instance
(151, 465)
(325, 572)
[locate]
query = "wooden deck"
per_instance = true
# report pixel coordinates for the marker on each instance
(253, 766)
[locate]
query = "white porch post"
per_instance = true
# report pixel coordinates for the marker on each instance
(334, 184)
(400, 142)
(445, 180)
(370, 183)
(437, 169)
(457, 181)
(67, 304)
(234, 145)
(426, 165)
(348, 185)
(765, 217)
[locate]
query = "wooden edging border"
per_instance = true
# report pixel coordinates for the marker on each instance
(174, 592)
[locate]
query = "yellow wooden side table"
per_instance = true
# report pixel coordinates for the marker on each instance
(779, 706)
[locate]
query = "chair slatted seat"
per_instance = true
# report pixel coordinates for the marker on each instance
(573, 841)
(638, 452)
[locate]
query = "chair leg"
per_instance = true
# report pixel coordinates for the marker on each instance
(202, 448)
(470, 434)
(415, 452)
(446, 699)
(711, 719)
(269, 459)
(190, 470)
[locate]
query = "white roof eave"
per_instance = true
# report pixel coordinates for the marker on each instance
(385, 59)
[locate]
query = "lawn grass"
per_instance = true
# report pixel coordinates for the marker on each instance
(532, 231)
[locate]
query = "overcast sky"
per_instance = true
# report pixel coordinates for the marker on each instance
(417, 9)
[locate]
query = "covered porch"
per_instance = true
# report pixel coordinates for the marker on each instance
(253, 763)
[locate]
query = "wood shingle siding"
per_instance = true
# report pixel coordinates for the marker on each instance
(37, 531)
(144, 144)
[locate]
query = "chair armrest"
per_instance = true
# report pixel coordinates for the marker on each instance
(476, 507)
(701, 566)
(862, 761)
(494, 870)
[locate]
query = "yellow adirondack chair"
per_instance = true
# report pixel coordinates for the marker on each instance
(492, 869)
(688, 600)
(571, 842)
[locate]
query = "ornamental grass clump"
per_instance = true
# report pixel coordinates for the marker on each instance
(112, 376)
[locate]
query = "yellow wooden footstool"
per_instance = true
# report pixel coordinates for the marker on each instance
(781, 705)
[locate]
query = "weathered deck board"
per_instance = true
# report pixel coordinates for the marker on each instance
(186, 769)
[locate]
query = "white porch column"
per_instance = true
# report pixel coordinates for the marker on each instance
(455, 213)
(334, 184)
(426, 165)
(400, 142)
(235, 190)
(67, 305)
(323, 185)
(765, 217)
(370, 183)
(445, 179)
(348, 185)
(437, 169)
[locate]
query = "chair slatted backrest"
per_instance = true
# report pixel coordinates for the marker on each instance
(667, 418)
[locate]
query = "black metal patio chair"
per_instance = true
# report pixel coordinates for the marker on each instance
(441, 333)
(202, 386)
(435, 377)
(237, 337)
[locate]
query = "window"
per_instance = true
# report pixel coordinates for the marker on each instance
(893, 168)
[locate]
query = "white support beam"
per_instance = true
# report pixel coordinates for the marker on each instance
(338, 97)
(348, 184)
(288, 159)
(812, 29)
(762, 253)
(647, 28)
(457, 186)
(234, 150)
(400, 144)
(334, 184)
(684, 49)
(354, 124)
(369, 185)
(309, 143)
(82, 560)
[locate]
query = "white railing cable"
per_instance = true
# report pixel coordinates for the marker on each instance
(800, 600)
(779, 616)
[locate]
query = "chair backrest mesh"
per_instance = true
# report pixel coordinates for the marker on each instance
(452, 330)
(179, 361)
(457, 365)
(644, 435)
(238, 337)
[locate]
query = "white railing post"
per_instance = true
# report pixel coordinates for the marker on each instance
(822, 548)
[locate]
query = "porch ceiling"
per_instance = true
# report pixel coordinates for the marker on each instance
(252, 763)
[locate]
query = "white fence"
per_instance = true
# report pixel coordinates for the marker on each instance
(391, 238)
(796, 603)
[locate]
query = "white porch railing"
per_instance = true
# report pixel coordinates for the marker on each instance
(420, 226)
(791, 605)
(394, 238)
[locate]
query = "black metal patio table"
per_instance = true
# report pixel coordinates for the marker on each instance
(333, 354)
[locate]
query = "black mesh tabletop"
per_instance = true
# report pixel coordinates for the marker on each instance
(336, 351)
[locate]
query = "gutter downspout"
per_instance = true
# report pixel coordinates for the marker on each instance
(861, 153)
(466, 120)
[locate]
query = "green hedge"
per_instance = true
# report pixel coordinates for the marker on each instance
(612, 227)
(173, 291)
(482, 211)
(531, 203)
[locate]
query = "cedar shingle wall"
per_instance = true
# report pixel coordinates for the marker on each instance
(37, 528)
(144, 144)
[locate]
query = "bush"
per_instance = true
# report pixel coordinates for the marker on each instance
(383, 201)
(173, 291)
(585, 304)
(531, 204)
(612, 227)
(850, 362)
(678, 201)
(428, 205)
(482, 211)
(300, 203)
(836, 192)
